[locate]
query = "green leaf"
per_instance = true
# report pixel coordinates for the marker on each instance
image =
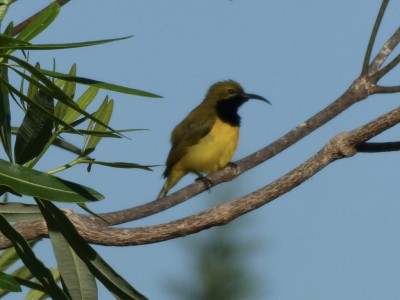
(21, 45)
(83, 102)
(80, 283)
(7, 282)
(104, 115)
(23, 276)
(30, 260)
(30, 182)
(5, 115)
(37, 292)
(100, 84)
(40, 22)
(85, 208)
(35, 130)
(7, 258)
(32, 88)
(7, 41)
(32, 102)
(106, 133)
(69, 90)
(67, 146)
(49, 87)
(3, 8)
(97, 266)
(95, 133)
(122, 165)
(20, 212)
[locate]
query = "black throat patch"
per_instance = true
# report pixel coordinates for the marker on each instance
(227, 110)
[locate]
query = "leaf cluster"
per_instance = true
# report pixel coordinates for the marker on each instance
(52, 109)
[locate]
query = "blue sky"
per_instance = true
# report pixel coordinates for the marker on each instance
(334, 237)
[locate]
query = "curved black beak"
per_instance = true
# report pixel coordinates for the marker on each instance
(252, 96)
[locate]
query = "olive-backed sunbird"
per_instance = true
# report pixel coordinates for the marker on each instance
(205, 141)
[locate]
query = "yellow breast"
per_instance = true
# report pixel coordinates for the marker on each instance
(212, 152)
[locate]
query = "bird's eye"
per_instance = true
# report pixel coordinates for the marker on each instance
(231, 91)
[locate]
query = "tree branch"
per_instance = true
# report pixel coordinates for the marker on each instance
(379, 147)
(341, 146)
(373, 36)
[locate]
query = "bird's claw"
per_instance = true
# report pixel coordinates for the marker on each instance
(207, 182)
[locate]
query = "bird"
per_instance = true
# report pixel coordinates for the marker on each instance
(206, 140)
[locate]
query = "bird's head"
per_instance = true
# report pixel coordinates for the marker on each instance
(230, 90)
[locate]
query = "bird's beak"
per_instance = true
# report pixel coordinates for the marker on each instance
(252, 96)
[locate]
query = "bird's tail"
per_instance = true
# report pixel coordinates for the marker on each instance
(163, 192)
(173, 177)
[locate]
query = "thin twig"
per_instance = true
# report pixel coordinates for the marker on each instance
(384, 53)
(373, 37)
(382, 72)
(379, 147)
(387, 89)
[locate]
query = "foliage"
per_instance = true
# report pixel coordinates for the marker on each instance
(52, 108)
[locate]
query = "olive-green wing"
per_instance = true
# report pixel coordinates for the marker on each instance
(188, 133)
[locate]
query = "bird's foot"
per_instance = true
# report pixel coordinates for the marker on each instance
(207, 182)
(234, 166)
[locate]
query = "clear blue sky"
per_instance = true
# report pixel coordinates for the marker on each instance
(334, 237)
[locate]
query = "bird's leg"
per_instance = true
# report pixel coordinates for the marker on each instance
(207, 182)
(234, 166)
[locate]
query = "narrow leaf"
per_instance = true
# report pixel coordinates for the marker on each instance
(20, 212)
(122, 165)
(85, 208)
(69, 90)
(83, 102)
(7, 282)
(80, 283)
(100, 84)
(7, 41)
(94, 133)
(104, 115)
(97, 266)
(5, 115)
(3, 8)
(37, 292)
(30, 182)
(50, 88)
(23, 276)
(20, 45)
(40, 22)
(32, 102)
(35, 130)
(9, 257)
(30, 260)
(106, 133)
